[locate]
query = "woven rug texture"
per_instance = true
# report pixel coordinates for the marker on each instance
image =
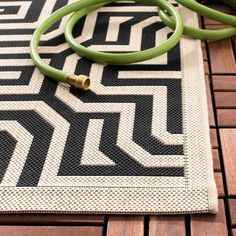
(136, 143)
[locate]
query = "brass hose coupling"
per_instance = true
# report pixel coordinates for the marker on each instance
(81, 82)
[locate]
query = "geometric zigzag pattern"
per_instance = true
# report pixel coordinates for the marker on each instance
(130, 124)
(81, 123)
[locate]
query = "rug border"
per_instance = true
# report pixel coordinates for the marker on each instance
(32, 194)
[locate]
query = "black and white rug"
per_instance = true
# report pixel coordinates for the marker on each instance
(137, 142)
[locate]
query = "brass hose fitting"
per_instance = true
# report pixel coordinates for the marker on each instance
(81, 82)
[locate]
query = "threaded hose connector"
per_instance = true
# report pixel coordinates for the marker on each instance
(81, 82)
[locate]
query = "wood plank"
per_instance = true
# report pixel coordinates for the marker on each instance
(224, 83)
(225, 99)
(125, 226)
(167, 226)
(206, 224)
(219, 184)
(226, 117)
(216, 160)
(206, 68)
(50, 219)
(212, 24)
(232, 210)
(228, 140)
(216, 26)
(233, 232)
(214, 141)
(222, 57)
(49, 231)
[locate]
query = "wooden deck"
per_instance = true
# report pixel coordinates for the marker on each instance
(220, 70)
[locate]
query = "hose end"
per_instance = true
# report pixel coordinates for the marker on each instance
(81, 82)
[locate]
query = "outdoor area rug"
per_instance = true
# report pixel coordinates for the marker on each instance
(136, 143)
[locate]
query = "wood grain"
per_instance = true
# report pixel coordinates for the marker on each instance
(49, 231)
(232, 210)
(214, 141)
(216, 26)
(222, 57)
(228, 137)
(216, 160)
(233, 232)
(50, 219)
(167, 226)
(219, 184)
(226, 117)
(206, 68)
(225, 99)
(222, 65)
(224, 83)
(125, 226)
(206, 224)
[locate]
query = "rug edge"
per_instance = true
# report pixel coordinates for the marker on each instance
(211, 184)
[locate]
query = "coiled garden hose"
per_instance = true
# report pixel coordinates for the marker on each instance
(205, 11)
(168, 14)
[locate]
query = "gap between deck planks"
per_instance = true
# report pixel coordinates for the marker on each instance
(51, 219)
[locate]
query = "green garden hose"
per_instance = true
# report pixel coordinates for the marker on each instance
(126, 58)
(168, 14)
(205, 11)
(203, 34)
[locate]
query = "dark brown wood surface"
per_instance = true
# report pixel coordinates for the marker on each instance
(49, 219)
(125, 225)
(50, 231)
(220, 70)
(207, 225)
(167, 225)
